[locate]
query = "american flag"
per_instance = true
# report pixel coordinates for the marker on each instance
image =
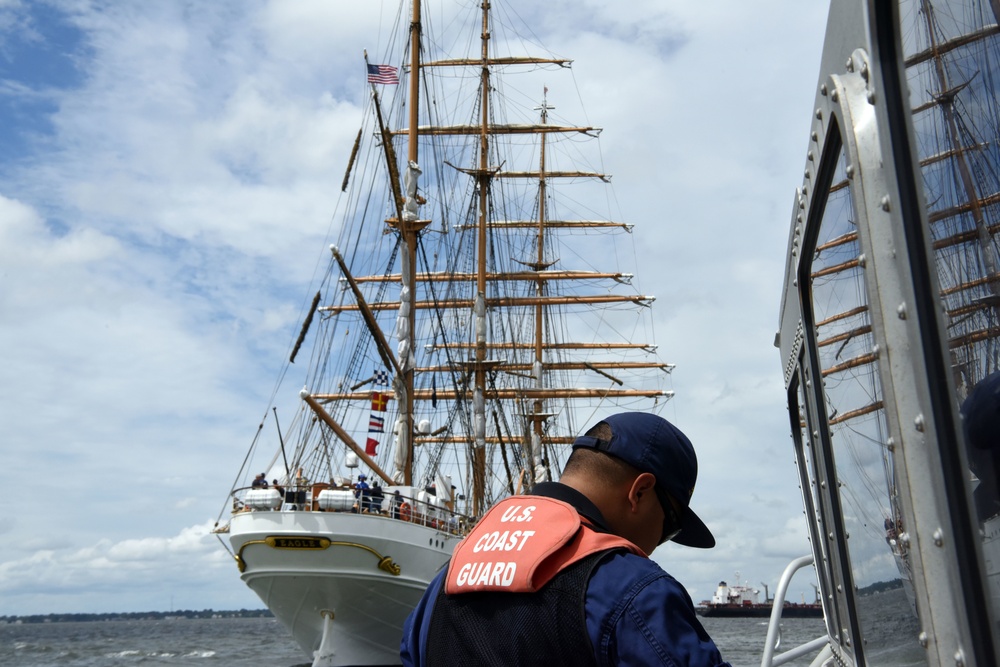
(382, 74)
(376, 424)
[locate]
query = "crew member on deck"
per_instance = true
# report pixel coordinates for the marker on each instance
(563, 576)
(375, 504)
(361, 493)
(395, 504)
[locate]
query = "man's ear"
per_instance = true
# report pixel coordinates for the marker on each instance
(641, 486)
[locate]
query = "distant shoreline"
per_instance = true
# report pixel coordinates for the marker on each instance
(135, 616)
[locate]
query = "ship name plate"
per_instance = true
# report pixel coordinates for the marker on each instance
(280, 542)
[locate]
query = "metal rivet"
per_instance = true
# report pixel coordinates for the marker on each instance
(814, 136)
(890, 444)
(810, 156)
(850, 65)
(807, 175)
(959, 658)
(834, 96)
(822, 91)
(919, 423)
(871, 97)
(938, 537)
(864, 71)
(819, 114)
(904, 538)
(901, 311)
(850, 171)
(922, 639)
(885, 203)
(862, 259)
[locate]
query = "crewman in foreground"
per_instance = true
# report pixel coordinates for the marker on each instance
(563, 576)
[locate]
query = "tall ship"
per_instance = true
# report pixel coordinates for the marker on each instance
(476, 313)
(889, 330)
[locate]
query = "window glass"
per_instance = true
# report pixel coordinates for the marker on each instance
(952, 59)
(862, 451)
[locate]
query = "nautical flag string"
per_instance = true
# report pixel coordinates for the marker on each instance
(376, 423)
(382, 74)
(380, 401)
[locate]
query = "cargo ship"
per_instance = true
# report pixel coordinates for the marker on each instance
(743, 601)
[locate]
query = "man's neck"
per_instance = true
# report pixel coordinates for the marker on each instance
(575, 497)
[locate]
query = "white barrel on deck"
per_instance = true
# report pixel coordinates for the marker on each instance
(263, 499)
(337, 500)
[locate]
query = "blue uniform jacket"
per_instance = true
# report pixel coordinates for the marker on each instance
(636, 613)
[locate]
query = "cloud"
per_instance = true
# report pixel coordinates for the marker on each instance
(14, 22)
(139, 570)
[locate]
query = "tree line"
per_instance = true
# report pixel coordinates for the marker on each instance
(137, 616)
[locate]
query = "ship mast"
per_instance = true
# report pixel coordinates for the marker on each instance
(538, 415)
(409, 228)
(479, 307)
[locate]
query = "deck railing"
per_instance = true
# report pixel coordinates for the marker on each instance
(305, 498)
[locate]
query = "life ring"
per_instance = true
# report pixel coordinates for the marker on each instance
(404, 512)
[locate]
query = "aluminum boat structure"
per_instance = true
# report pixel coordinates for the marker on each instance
(469, 325)
(888, 337)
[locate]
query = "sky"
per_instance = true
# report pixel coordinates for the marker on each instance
(168, 175)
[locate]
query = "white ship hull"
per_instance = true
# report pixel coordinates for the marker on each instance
(334, 571)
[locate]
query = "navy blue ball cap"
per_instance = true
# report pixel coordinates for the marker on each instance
(981, 414)
(650, 443)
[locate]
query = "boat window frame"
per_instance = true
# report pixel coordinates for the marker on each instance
(848, 636)
(922, 413)
(808, 485)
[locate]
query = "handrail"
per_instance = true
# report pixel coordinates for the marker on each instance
(768, 659)
(422, 512)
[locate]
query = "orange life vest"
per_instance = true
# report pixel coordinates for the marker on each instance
(521, 543)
